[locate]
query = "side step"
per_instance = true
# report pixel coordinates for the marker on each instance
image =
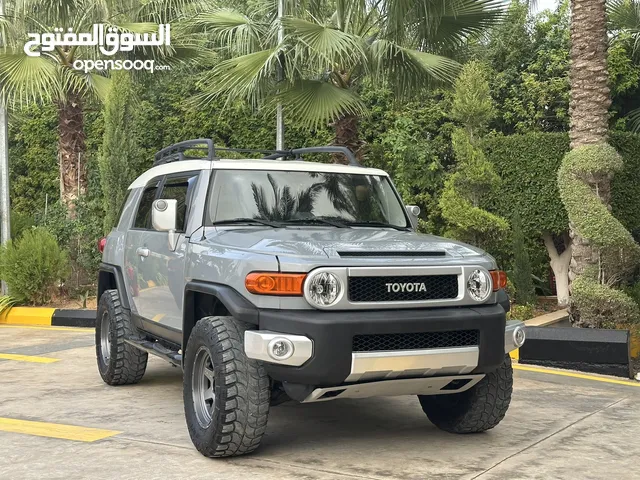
(155, 348)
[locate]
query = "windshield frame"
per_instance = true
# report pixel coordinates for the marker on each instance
(208, 221)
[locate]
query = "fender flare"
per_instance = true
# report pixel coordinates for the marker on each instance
(238, 306)
(106, 272)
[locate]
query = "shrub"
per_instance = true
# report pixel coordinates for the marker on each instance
(594, 302)
(32, 266)
(521, 275)
(521, 312)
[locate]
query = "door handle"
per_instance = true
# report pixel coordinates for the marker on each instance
(143, 252)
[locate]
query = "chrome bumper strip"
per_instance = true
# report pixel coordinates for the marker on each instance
(367, 366)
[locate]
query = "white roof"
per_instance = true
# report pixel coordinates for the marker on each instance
(250, 164)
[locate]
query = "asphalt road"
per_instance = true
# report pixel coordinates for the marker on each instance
(58, 420)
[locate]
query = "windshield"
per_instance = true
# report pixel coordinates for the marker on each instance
(338, 199)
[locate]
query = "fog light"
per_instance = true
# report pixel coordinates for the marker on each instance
(519, 337)
(280, 348)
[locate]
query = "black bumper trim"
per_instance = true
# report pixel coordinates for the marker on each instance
(332, 334)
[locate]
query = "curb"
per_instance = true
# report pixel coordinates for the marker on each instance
(50, 317)
(591, 350)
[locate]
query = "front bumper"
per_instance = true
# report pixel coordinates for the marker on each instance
(323, 354)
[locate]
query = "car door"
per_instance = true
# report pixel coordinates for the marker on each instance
(158, 268)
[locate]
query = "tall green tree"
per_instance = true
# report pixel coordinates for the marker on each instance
(51, 77)
(474, 178)
(119, 151)
(330, 47)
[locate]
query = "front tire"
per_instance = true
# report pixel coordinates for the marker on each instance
(226, 395)
(478, 409)
(118, 362)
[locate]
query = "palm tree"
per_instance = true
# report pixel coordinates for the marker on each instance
(331, 47)
(51, 76)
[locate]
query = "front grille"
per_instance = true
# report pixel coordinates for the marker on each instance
(415, 341)
(403, 288)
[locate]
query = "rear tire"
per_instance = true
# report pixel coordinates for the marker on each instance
(118, 362)
(478, 409)
(226, 395)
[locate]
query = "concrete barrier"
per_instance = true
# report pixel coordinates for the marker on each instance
(585, 349)
(48, 317)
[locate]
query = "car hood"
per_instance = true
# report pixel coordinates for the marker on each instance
(334, 242)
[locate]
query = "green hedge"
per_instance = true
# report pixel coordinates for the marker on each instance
(528, 165)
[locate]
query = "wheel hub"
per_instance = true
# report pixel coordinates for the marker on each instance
(105, 340)
(202, 387)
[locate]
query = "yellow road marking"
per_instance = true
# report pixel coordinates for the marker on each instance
(64, 329)
(158, 317)
(55, 430)
(28, 358)
(576, 375)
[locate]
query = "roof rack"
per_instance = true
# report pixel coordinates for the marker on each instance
(176, 152)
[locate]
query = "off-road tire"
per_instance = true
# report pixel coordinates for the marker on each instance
(240, 407)
(125, 364)
(478, 409)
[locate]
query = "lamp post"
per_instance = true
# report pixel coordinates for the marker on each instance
(280, 78)
(5, 211)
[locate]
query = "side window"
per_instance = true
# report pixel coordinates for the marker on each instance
(143, 216)
(180, 188)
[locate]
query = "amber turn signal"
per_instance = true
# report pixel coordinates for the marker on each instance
(267, 283)
(499, 279)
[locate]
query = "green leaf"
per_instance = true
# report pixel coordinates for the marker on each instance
(408, 70)
(233, 30)
(248, 76)
(26, 79)
(315, 103)
(324, 47)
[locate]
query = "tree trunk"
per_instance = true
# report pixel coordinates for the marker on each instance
(347, 135)
(589, 106)
(71, 151)
(560, 265)
(590, 96)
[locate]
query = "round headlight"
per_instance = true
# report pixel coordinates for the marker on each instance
(323, 289)
(479, 285)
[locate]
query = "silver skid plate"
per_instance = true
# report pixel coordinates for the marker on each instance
(406, 386)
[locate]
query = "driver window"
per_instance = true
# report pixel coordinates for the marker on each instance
(181, 189)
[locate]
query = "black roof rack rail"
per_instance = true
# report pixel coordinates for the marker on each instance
(175, 152)
(297, 152)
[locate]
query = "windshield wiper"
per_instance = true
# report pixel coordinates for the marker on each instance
(371, 223)
(315, 220)
(248, 221)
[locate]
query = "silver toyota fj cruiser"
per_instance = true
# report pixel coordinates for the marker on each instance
(278, 279)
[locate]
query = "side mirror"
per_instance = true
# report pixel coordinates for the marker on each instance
(413, 211)
(164, 214)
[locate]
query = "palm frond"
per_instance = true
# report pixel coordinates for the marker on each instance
(6, 302)
(634, 120)
(408, 70)
(25, 79)
(315, 103)
(625, 15)
(324, 47)
(246, 77)
(237, 32)
(432, 23)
